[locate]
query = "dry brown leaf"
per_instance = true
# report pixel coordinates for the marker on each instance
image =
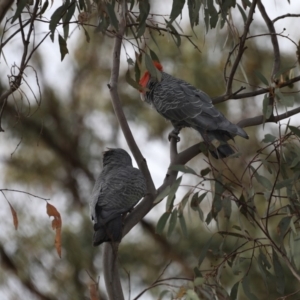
(181, 292)
(93, 291)
(56, 225)
(14, 215)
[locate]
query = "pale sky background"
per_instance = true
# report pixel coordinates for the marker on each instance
(60, 75)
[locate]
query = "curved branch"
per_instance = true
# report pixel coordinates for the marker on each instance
(285, 16)
(258, 120)
(262, 91)
(241, 48)
(270, 25)
(147, 203)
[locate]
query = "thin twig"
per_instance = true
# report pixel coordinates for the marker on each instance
(241, 48)
(22, 192)
(285, 16)
(271, 28)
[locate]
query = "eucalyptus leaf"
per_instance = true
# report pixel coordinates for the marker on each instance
(162, 223)
(279, 273)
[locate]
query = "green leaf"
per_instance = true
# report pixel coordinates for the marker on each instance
(261, 77)
(62, 47)
(151, 68)
(196, 200)
(267, 108)
(284, 183)
(246, 3)
(269, 138)
(283, 227)
(287, 101)
(141, 30)
(67, 17)
(213, 13)
(175, 33)
(284, 70)
(242, 13)
(295, 130)
(236, 227)
(236, 265)
(162, 223)
(171, 196)
(226, 203)
(265, 182)
(279, 273)
(112, 15)
(183, 202)
(183, 225)
(103, 25)
(264, 259)
(203, 148)
(144, 7)
(205, 171)
(206, 19)
(153, 38)
(247, 290)
(55, 18)
(197, 273)
(87, 36)
(20, 6)
(194, 8)
(234, 291)
(44, 7)
(137, 71)
(130, 61)
(190, 294)
(162, 195)
(217, 201)
(82, 5)
(131, 82)
(172, 222)
(204, 250)
(242, 205)
(183, 169)
(263, 266)
(208, 218)
(235, 234)
(176, 9)
(154, 56)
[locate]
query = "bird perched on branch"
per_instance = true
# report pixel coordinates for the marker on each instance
(117, 190)
(186, 106)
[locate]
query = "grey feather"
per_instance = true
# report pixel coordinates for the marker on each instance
(117, 190)
(186, 106)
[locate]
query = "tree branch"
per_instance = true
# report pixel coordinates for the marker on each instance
(285, 16)
(262, 91)
(111, 271)
(258, 120)
(270, 25)
(241, 48)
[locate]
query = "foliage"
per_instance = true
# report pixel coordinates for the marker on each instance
(248, 202)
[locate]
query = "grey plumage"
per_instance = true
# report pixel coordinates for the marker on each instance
(186, 106)
(117, 190)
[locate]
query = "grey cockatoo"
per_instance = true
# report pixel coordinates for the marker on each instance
(117, 190)
(186, 106)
